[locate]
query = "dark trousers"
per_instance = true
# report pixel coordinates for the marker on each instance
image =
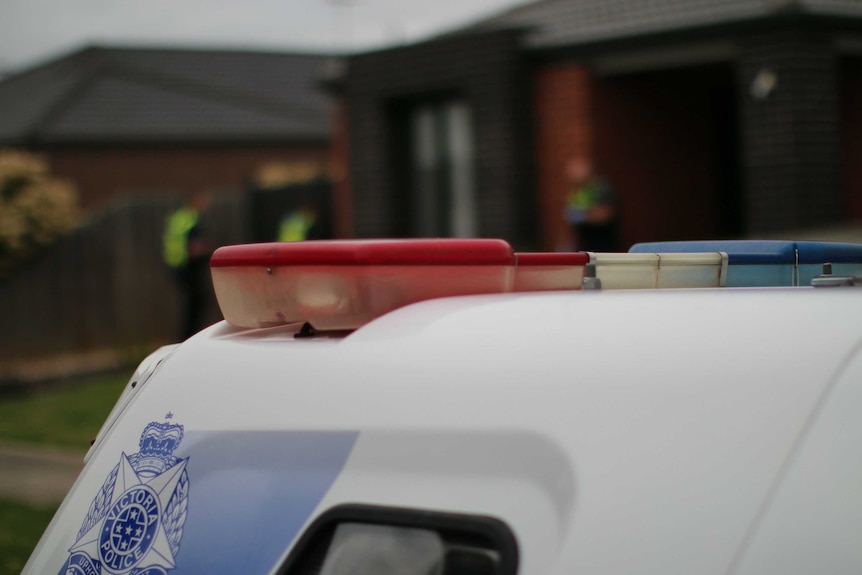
(190, 280)
(597, 237)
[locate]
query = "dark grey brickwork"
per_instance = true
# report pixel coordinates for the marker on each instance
(791, 139)
(487, 71)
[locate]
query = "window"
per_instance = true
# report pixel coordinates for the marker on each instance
(364, 540)
(442, 180)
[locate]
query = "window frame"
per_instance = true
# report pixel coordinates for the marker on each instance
(472, 530)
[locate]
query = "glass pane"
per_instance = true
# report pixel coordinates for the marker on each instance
(362, 549)
(461, 177)
(442, 161)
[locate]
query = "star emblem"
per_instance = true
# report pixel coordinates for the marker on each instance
(132, 534)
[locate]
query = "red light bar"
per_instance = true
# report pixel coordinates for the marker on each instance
(552, 258)
(337, 285)
(550, 271)
(473, 252)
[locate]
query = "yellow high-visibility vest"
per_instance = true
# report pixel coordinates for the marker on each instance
(295, 227)
(585, 197)
(175, 240)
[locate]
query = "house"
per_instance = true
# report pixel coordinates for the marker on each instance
(134, 129)
(121, 121)
(711, 119)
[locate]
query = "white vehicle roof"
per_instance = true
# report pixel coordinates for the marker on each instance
(673, 431)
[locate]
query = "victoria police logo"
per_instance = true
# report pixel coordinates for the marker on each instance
(135, 523)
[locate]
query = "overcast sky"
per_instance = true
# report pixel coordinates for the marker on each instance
(32, 31)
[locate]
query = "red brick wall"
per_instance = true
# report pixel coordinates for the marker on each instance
(562, 100)
(103, 174)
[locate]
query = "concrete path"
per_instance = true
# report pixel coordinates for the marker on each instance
(37, 476)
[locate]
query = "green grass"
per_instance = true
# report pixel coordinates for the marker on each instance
(21, 525)
(65, 417)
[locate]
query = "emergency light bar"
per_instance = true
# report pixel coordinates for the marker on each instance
(340, 285)
(565, 271)
(771, 262)
(660, 270)
(549, 271)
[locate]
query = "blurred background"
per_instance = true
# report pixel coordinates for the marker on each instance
(114, 115)
(386, 118)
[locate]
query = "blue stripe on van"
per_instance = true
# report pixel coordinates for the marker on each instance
(251, 492)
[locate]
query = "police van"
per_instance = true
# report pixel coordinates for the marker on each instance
(453, 407)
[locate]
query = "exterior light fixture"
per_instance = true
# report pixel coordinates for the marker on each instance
(763, 84)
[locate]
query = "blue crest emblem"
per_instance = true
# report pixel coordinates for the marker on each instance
(135, 523)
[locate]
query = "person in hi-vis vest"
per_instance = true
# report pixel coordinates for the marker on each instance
(299, 224)
(590, 208)
(186, 253)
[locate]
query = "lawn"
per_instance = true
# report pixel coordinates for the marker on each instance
(20, 529)
(65, 417)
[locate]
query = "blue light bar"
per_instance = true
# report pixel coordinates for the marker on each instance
(753, 263)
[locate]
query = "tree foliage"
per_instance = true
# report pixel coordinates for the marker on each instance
(35, 208)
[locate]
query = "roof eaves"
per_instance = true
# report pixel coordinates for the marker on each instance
(76, 67)
(44, 131)
(186, 140)
(783, 15)
(202, 90)
(784, 6)
(535, 18)
(37, 133)
(707, 34)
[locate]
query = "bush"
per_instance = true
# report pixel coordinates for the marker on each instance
(35, 208)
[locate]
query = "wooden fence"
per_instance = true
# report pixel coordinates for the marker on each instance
(105, 286)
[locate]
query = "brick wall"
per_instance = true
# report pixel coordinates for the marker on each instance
(563, 121)
(486, 70)
(690, 151)
(791, 137)
(851, 145)
(103, 174)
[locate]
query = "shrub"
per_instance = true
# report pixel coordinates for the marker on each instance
(35, 208)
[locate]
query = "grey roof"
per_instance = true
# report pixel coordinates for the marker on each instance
(158, 95)
(554, 23)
